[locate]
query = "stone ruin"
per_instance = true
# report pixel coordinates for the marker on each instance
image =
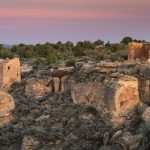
(9, 71)
(118, 93)
(139, 50)
(45, 83)
(119, 96)
(122, 97)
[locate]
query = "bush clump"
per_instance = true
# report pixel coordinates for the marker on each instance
(70, 63)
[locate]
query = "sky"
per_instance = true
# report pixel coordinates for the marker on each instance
(41, 21)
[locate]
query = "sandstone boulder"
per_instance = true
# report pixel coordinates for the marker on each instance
(88, 68)
(144, 83)
(146, 115)
(106, 138)
(130, 141)
(119, 96)
(6, 106)
(29, 143)
(144, 87)
(116, 136)
(105, 67)
(42, 118)
(126, 95)
(56, 84)
(25, 68)
(61, 71)
(86, 116)
(38, 88)
(127, 140)
(88, 93)
(63, 83)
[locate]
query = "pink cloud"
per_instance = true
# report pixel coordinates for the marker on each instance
(79, 9)
(59, 14)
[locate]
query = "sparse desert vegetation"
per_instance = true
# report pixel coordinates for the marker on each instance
(86, 96)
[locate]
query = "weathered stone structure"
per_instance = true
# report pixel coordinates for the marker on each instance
(89, 93)
(139, 50)
(9, 71)
(119, 96)
(38, 88)
(126, 95)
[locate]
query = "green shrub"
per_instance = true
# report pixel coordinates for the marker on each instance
(91, 109)
(79, 51)
(51, 58)
(6, 54)
(70, 63)
(39, 61)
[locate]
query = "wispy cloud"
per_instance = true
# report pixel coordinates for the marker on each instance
(41, 20)
(59, 14)
(79, 9)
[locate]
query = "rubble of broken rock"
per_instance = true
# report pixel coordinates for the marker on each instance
(63, 109)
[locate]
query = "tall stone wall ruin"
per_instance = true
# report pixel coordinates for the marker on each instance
(10, 71)
(139, 50)
(119, 96)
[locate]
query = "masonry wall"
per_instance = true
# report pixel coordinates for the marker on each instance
(138, 50)
(11, 71)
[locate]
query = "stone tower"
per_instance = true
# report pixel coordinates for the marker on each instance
(9, 71)
(139, 50)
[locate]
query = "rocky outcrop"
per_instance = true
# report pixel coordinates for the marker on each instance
(88, 93)
(38, 88)
(64, 83)
(127, 140)
(88, 68)
(61, 71)
(6, 106)
(56, 84)
(139, 50)
(54, 122)
(126, 94)
(25, 68)
(29, 143)
(106, 67)
(144, 84)
(60, 83)
(119, 96)
(146, 116)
